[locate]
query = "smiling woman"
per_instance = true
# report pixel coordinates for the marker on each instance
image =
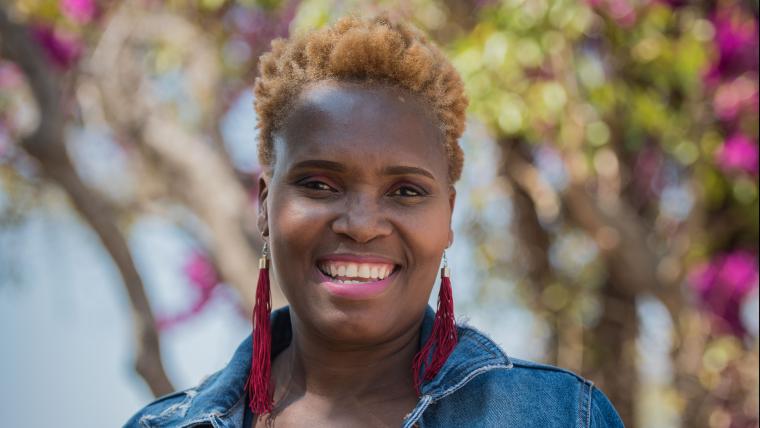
(359, 127)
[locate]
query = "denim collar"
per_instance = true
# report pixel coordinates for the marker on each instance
(220, 399)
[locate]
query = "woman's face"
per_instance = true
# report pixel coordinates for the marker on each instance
(357, 209)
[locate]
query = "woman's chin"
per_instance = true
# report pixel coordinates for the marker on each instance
(353, 324)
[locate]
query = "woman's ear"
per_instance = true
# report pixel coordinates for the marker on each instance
(452, 202)
(263, 215)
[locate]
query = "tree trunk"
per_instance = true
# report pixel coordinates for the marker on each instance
(610, 358)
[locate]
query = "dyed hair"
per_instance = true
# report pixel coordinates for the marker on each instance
(360, 50)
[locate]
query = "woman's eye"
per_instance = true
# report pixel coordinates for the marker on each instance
(407, 191)
(317, 185)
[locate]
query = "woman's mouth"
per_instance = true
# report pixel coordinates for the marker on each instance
(355, 280)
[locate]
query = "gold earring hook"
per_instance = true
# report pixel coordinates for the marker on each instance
(445, 272)
(264, 256)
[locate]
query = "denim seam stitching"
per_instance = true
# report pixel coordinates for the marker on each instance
(205, 419)
(426, 400)
(550, 369)
(448, 370)
(482, 342)
(486, 343)
(226, 412)
(468, 378)
(413, 418)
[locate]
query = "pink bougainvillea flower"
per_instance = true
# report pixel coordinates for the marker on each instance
(735, 97)
(623, 13)
(738, 153)
(675, 4)
(203, 278)
(736, 37)
(201, 272)
(722, 284)
(62, 49)
(79, 11)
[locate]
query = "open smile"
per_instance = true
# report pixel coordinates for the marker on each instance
(357, 281)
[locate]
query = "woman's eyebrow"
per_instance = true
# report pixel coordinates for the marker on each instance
(339, 167)
(402, 169)
(321, 164)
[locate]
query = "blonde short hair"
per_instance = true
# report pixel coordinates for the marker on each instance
(361, 50)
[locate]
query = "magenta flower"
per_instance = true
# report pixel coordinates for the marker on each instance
(674, 4)
(736, 37)
(738, 153)
(203, 278)
(79, 11)
(62, 49)
(201, 272)
(722, 284)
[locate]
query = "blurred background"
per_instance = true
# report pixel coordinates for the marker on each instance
(607, 219)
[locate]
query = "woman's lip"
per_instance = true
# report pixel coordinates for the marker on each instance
(357, 291)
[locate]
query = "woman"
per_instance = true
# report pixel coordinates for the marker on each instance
(358, 138)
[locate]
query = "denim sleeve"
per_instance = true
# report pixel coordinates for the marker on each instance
(159, 407)
(603, 414)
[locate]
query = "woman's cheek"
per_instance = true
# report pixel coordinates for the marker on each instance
(428, 229)
(299, 215)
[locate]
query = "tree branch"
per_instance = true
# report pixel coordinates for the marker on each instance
(46, 145)
(202, 177)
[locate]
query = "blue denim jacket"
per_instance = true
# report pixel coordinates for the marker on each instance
(479, 386)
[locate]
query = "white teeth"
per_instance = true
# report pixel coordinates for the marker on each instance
(351, 269)
(349, 281)
(363, 271)
(366, 271)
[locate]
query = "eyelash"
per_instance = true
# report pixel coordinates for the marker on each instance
(311, 184)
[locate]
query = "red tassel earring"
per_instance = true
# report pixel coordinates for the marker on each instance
(259, 385)
(443, 335)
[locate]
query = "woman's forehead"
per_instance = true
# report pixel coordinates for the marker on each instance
(371, 123)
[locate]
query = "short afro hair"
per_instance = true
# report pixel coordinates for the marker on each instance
(360, 50)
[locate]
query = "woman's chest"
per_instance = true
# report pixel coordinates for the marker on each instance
(317, 413)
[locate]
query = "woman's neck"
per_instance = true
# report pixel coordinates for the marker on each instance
(313, 366)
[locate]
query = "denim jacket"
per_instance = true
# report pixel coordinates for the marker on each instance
(478, 386)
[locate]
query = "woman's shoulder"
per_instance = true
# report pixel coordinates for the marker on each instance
(161, 408)
(217, 396)
(516, 388)
(165, 409)
(476, 348)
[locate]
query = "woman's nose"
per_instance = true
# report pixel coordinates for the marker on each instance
(363, 219)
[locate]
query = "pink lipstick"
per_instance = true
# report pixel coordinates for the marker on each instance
(350, 276)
